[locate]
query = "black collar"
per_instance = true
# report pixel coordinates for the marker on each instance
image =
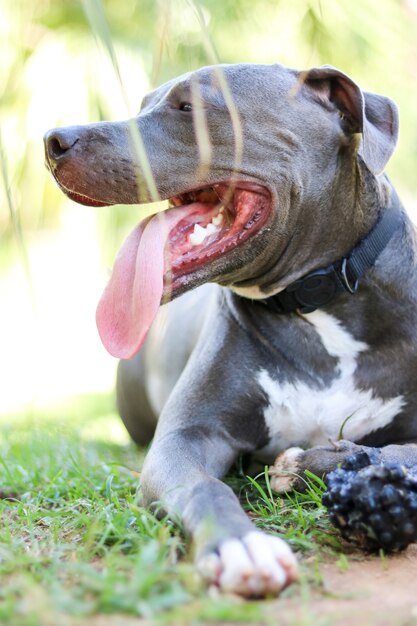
(319, 287)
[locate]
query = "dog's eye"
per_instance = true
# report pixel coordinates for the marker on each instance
(186, 106)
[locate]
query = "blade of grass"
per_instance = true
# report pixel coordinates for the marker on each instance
(164, 21)
(95, 14)
(213, 58)
(16, 225)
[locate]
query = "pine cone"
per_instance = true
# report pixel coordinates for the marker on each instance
(373, 505)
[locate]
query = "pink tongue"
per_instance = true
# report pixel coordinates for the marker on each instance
(132, 297)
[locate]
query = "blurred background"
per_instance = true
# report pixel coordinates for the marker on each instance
(59, 62)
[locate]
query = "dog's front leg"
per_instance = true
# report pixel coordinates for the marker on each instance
(182, 472)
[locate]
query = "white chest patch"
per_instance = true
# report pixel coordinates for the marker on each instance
(253, 293)
(298, 415)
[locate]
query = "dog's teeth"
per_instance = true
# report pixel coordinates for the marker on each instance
(217, 219)
(198, 235)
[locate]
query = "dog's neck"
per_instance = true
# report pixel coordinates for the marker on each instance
(318, 288)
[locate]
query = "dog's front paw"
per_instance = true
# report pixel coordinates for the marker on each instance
(284, 474)
(256, 565)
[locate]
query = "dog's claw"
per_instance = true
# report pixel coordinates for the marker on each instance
(254, 566)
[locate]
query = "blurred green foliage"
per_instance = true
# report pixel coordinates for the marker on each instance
(54, 73)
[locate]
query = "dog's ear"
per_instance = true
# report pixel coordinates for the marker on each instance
(376, 117)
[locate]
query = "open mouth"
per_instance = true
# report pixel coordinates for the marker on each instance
(173, 251)
(217, 220)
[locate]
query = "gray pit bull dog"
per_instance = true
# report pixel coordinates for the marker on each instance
(278, 356)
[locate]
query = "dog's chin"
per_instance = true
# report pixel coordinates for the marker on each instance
(218, 221)
(83, 199)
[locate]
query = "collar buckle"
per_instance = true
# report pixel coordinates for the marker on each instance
(350, 286)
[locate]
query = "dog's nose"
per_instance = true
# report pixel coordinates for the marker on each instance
(58, 143)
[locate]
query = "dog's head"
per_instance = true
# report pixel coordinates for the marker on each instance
(246, 155)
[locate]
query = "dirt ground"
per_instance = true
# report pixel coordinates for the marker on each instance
(369, 592)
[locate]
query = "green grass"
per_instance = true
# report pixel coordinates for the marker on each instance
(75, 542)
